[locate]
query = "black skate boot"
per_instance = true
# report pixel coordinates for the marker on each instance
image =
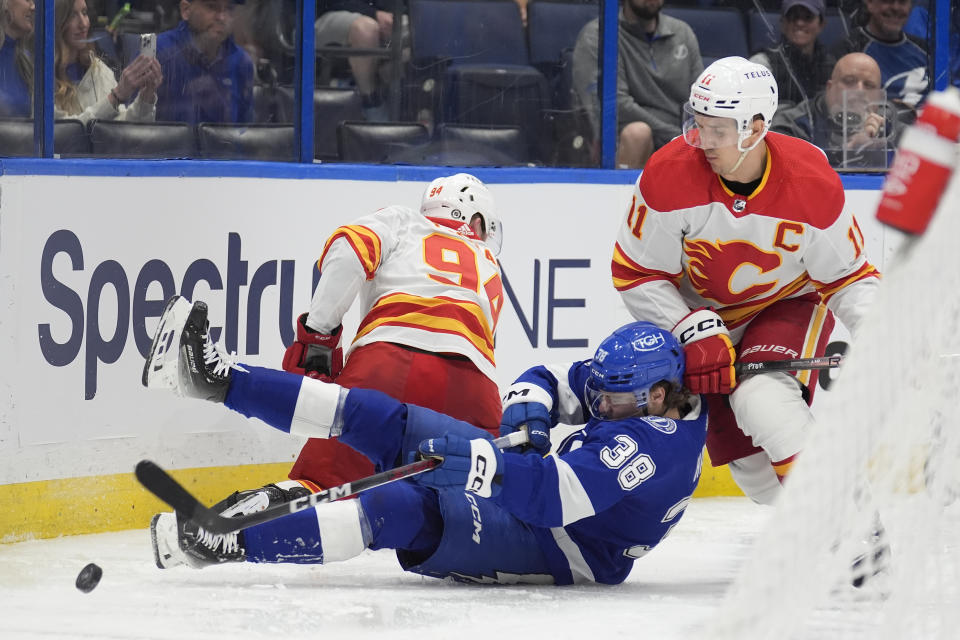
(196, 368)
(177, 541)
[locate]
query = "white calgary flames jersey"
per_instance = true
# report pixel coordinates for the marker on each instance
(688, 242)
(421, 284)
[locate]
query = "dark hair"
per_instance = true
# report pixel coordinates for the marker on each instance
(676, 396)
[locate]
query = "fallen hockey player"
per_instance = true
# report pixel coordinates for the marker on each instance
(611, 493)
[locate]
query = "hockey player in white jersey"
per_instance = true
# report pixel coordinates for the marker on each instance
(738, 241)
(613, 492)
(430, 296)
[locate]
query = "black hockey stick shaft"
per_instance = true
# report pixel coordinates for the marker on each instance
(161, 484)
(797, 364)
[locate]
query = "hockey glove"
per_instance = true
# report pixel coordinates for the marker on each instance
(535, 419)
(468, 464)
(314, 354)
(708, 352)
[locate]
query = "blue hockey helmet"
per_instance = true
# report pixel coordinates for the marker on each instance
(628, 363)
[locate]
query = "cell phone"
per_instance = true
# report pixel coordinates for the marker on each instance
(148, 45)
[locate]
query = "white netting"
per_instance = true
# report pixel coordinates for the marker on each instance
(886, 448)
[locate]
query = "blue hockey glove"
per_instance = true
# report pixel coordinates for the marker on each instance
(533, 417)
(469, 464)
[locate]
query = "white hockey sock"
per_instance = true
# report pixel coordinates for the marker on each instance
(317, 414)
(756, 478)
(341, 531)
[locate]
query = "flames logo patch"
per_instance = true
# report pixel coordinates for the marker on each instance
(729, 272)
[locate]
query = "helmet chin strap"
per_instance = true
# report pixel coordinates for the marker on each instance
(743, 156)
(744, 152)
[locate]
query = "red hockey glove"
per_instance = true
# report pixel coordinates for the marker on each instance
(708, 352)
(314, 354)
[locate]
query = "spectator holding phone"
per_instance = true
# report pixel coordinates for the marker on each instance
(85, 87)
(209, 78)
(16, 67)
(851, 120)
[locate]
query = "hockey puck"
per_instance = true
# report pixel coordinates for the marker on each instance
(89, 578)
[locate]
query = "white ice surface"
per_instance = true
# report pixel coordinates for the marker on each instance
(670, 591)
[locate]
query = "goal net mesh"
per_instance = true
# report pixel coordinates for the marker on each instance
(883, 458)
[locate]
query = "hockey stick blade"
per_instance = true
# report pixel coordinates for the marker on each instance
(162, 485)
(797, 364)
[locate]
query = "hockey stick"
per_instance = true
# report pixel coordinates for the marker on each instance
(797, 364)
(162, 485)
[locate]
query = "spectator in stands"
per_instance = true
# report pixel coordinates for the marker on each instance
(522, 6)
(207, 77)
(920, 25)
(902, 58)
(266, 29)
(659, 58)
(800, 64)
(85, 87)
(16, 67)
(851, 120)
(363, 24)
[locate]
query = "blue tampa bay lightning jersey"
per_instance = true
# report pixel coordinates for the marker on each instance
(903, 64)
(612, 490)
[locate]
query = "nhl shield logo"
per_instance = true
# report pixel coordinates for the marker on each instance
(739, 205)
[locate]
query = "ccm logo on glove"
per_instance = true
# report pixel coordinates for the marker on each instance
(708, 352)
(703, 327)
(484, 468)
(468, 464)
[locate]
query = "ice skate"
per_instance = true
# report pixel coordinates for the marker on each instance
(182, 357)
(163, 536)
(181, 542)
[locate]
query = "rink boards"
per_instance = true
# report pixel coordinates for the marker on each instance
(87, 261)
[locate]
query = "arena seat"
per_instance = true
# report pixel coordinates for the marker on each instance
(273, 104)
(69, 138)
(273, 142)
(720, 31)
(466, 32)
(477, 51)
(154, 140)
(552, 30)
(484, 95)
(764, 29)
(382, 142)
(482, 145)
(331, 106)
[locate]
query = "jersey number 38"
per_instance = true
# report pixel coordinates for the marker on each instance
(634, 468)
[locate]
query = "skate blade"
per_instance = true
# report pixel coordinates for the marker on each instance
(160, 371)
(163, 559)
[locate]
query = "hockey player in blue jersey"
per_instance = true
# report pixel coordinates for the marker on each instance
(610, 493)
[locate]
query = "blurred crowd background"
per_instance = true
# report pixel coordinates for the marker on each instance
(458, 82)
